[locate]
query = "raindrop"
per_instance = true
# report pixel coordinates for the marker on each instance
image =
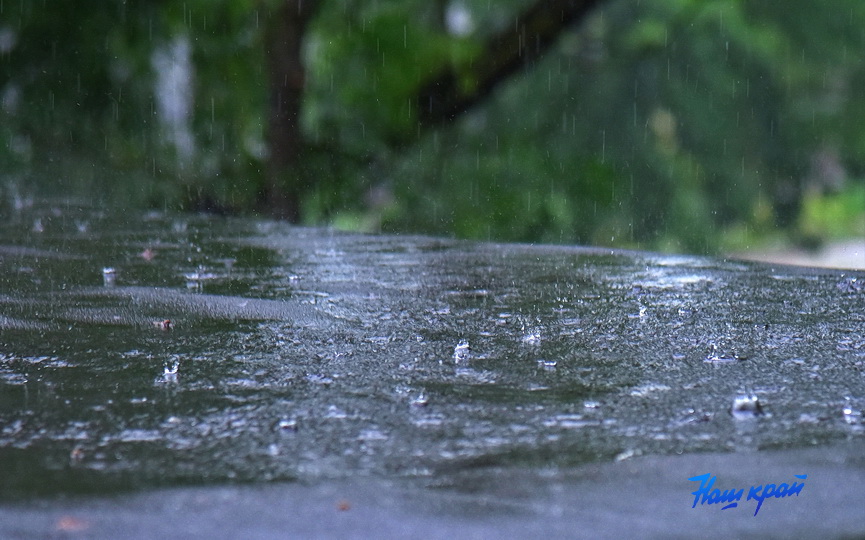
(568, 421)
(806, 418)
(532, 339)
(639, 315)
(717, 356)
(109, 276)
(627, 454)
(194, 280)
(547, 365)
(372, 434)
(335, 413)
(287, 425)
(317, 378)
(462, 350)
(851, 285)
(747, 406)
(170, 370)
(852, 416)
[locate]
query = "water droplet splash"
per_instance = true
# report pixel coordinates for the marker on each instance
(335, 413)
(641, 313)
(745, 407)
(109, 276)
(547, 365)
(532, 339)
(851, 285)
(195, 280)
(718, 356)
(627, 454)
(852, 416)
(286, 425)
(420, 401)
(170, 371)
(462, 351)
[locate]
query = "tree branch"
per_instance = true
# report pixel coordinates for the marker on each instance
(445, 98)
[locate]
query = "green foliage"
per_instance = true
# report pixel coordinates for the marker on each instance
(834, 215)
(655, 125)
(83, 79)
(366, 65)
(674, 124)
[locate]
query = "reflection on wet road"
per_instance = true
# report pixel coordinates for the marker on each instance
(308, 354)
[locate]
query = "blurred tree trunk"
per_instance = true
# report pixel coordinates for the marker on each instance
(286, 75)
(441, 100)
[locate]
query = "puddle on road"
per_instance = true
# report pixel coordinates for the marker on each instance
(309, 354)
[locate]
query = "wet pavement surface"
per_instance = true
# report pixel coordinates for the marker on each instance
(154, 367)
(644, 497)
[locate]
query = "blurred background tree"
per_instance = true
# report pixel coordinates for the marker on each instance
(686, 125)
